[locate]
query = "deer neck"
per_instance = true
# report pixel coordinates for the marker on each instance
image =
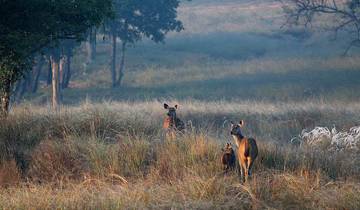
(172, 121)
(238, 138)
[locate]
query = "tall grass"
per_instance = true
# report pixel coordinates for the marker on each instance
(114, 156)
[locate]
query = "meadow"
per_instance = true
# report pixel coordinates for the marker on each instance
(105, 148)
(114, 155)
(226, 46)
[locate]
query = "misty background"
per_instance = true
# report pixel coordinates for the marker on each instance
(228, 50)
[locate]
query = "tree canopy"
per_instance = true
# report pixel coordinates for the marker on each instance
(28, 26)
(136, 19)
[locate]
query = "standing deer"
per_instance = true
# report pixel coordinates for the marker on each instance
(228, 158)
(172, 124)
(247, 150)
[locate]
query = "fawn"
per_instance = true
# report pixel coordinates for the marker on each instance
(228, 158)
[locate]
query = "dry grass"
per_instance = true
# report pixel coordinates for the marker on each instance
(232, 16)
(180, 177)
(114, 156)
(158, 76)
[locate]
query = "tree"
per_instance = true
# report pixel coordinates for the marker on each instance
(91, 44)
(135, 19)
(37, 72)
(11, 67)
(344, 15)
(28, 26)
(15, 42)
(68, 48)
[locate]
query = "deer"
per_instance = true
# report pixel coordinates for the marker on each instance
(228, 158)
(172, 124)
(247, 150)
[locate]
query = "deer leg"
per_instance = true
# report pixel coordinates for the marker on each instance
(238, 168)
(243, 168)
(242, 174)
(250, 164)
(246, 171)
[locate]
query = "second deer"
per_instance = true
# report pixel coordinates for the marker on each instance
(247, 150)
(172, 124)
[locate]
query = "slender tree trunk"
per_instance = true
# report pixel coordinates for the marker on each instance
(16, 92)
(28, 81)
(67, 72)
(93, 43)
(23, 87)
(88, 51)
(91, 46)
(37, 73)
(5, 98)
(62, 69)
(122, 64)
(113, 61)
(55, 61)
(49, 75)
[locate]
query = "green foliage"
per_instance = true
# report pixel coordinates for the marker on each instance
(30, 25)
(135, 19)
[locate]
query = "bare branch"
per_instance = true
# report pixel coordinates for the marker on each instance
(344, 15)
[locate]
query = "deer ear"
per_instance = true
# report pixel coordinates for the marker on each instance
(176, 106)
(166, 106)
(241, 123)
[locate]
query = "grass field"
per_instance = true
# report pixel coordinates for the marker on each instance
(114, 156)
(105, 148)
(210, 59)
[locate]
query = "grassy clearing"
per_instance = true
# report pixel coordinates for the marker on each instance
(250, 58)
(238, 64)
(114, 156)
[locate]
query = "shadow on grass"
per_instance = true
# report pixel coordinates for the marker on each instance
(292, 86)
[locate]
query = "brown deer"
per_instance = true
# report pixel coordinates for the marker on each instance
(228, 158)
(172, 124)
(247, 150)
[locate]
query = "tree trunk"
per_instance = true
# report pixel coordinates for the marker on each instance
(113, 61)
(23, 87)
(88, 51)
(37, 73)
(16, 92)
(55, 61)
(91, 46)
(62, 69)
(5, 98)
(67, 72)
(122, 64)
(49, 76)
(28, 81)
(93, 43)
